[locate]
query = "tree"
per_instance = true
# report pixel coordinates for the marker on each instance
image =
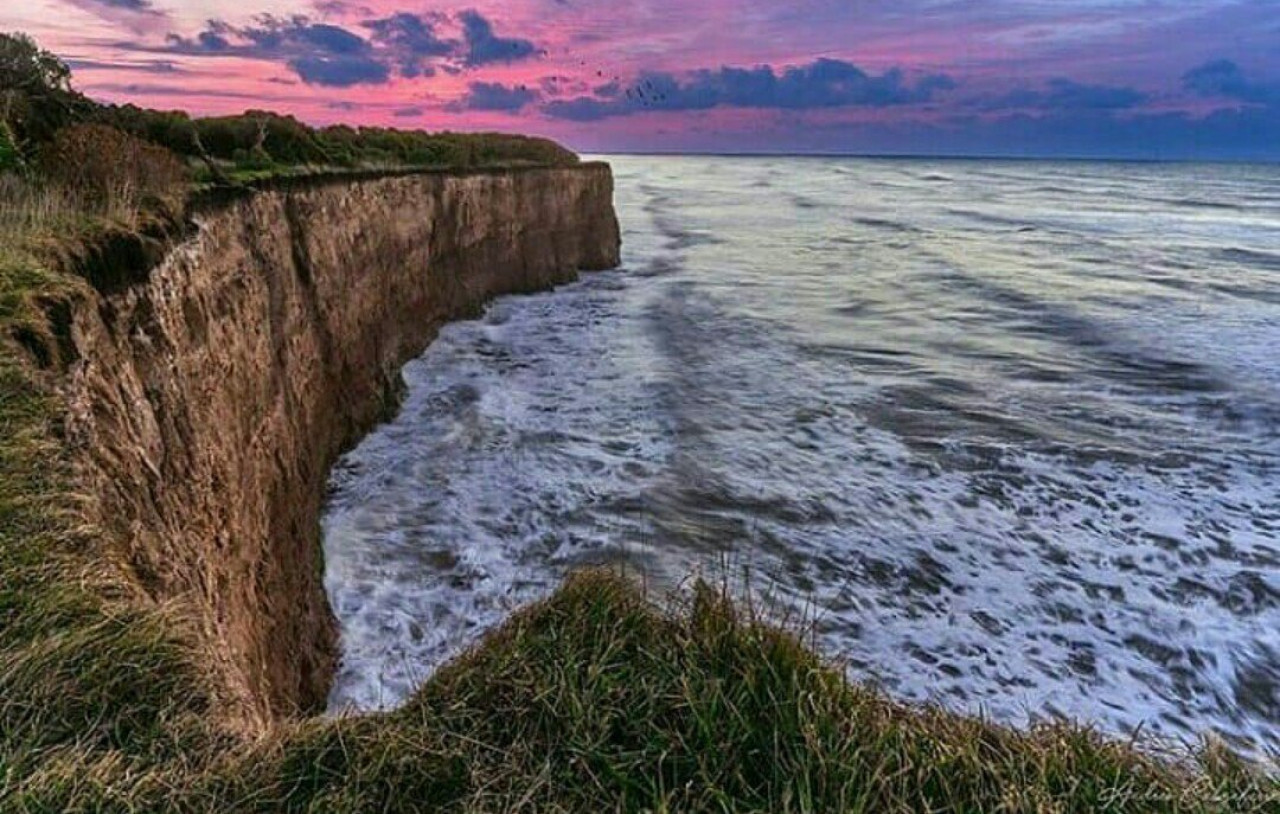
(35, 92)
(27, 68)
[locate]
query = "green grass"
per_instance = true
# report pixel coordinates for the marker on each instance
(248, 175)
(594, 700)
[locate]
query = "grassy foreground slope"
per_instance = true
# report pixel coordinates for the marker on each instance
(594, 700)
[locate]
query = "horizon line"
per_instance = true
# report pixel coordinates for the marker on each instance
(932, 156)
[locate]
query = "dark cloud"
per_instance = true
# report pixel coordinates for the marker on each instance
(609, 90)
(331, 38)
(208, 41)
(494, 96)
(319, 53)
(1224, 79)
(1059, 119)
(412, 40)
(408, 112)
(340, 71)
(157, 67)
(340, 7)
(326, 54)
(1066, 95)
(558, 85)
(1224, 134)
(824, 83)
(483, 46)
(177, 91)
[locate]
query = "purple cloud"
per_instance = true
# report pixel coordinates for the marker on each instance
(483, 46)
(413, 40)
(327, 54)
(319, 53)
(1224, 79)
(824, 83)
(339, 71)
(1066, 95)
(494, 96)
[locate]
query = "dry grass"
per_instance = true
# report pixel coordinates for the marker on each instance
(35, 210)
(89, 176)
(29, 210)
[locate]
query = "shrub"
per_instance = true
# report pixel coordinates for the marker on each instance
(112, 170)
(10, 158)
(26, 66)
(255, 159)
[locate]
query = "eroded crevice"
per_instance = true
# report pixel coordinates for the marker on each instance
(48, 342)
(36, 345)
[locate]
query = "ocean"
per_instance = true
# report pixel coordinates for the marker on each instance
(1006, 433)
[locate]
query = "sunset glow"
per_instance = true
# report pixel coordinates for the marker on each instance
(1151, 78)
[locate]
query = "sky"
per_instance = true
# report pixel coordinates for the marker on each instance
(1089, 78)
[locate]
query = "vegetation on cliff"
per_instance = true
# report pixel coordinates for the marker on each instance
(594, 700)
(72, 168)
(37, 101)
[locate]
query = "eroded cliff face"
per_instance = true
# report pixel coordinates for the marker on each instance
(213, 393)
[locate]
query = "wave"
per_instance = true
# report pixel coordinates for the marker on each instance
(1033, 475)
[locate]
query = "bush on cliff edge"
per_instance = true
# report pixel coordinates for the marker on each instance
(112, 171)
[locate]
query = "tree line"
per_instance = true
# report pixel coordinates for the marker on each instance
(38, 101)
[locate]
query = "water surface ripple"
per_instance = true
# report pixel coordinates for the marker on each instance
(1012, 431)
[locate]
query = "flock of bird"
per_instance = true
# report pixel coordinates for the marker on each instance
(654, 96)
(644, 92)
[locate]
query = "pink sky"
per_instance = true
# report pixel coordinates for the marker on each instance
(965, 66)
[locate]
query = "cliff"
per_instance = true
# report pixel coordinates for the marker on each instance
(165, 429)
(214, 391)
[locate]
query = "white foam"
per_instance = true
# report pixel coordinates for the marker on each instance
(1007, 467)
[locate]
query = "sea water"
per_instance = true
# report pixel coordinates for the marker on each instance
(1009, 432)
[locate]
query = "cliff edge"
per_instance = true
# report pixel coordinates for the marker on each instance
(214, 391)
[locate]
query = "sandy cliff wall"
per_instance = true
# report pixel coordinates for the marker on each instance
(213, 393)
